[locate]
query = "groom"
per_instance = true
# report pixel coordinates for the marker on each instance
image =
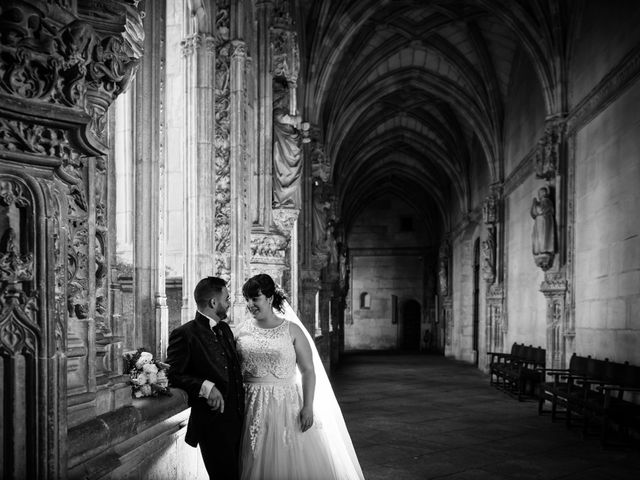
(203, 362)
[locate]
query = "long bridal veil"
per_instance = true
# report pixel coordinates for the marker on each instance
(327, 412)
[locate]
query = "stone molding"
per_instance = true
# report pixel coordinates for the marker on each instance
(610, 88)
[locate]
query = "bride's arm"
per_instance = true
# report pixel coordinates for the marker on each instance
(305, 365)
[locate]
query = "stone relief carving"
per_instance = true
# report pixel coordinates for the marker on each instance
(284, 219)
(222, 141)
(543, 236)
(268, 247)
(496, 321)
(19, 327)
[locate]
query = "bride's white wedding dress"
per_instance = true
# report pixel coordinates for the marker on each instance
(273, 444)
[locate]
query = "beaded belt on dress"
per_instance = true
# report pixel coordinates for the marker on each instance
(270, 379)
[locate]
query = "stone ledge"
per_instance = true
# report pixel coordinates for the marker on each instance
(99, 436)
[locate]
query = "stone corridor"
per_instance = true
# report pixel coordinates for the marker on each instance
(427, 417)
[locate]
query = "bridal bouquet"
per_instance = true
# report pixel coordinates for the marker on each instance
(148, 376)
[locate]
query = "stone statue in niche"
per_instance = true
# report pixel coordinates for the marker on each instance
(488, 249)
(287, 152)
(330, 240)
(442, 277)
(543, 237)
(343, 267)
(320, 211)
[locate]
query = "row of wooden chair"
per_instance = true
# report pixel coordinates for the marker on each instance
(598, 391)
(517, 372)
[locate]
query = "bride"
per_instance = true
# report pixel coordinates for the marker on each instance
(293, 427)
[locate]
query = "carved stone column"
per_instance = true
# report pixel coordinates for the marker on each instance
(199, 49)
(310, 284)
(62, 64)
(551, 166)
(559, 332)
(150, 199)
(496, 324)
(264, 14)
(491, 218)
(239, 222)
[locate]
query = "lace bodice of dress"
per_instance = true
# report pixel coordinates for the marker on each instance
(266, 351)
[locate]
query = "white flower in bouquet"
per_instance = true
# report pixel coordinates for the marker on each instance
(146, 390)
(149, 368)
(140, 379)
(145, 358)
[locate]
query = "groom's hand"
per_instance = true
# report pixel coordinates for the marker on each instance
(215, 400)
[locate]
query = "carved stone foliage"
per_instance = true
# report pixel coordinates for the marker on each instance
(49, 55)
(548, 155)
(222, 142)
(42, 142)
(100, 248)
(21, 323)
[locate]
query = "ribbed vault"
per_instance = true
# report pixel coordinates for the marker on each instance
(402, 89)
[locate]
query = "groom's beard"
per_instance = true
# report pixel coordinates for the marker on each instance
(221, 313)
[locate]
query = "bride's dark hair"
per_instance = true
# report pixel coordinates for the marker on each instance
(263, 283)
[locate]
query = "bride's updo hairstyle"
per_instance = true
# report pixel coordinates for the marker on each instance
(263, 283)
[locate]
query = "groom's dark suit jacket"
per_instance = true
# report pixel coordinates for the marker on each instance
(196, 353)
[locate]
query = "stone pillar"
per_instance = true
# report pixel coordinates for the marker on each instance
(63, 66)
(223, 120)
(324, 346)
(310, 284)
(559, 333)
(551, 166)
(496, 325)
(264, 195)
(200, 191)
(239, 219)
(150, 300)
(492, 270)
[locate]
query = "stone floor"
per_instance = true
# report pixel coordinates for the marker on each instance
(424, 417)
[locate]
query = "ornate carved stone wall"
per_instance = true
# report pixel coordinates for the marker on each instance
(61, 64)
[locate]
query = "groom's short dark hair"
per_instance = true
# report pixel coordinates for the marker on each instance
(207, 288)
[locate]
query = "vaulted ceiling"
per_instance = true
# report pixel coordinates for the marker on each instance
(404, 89)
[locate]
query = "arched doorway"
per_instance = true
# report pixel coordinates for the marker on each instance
(411, 314)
